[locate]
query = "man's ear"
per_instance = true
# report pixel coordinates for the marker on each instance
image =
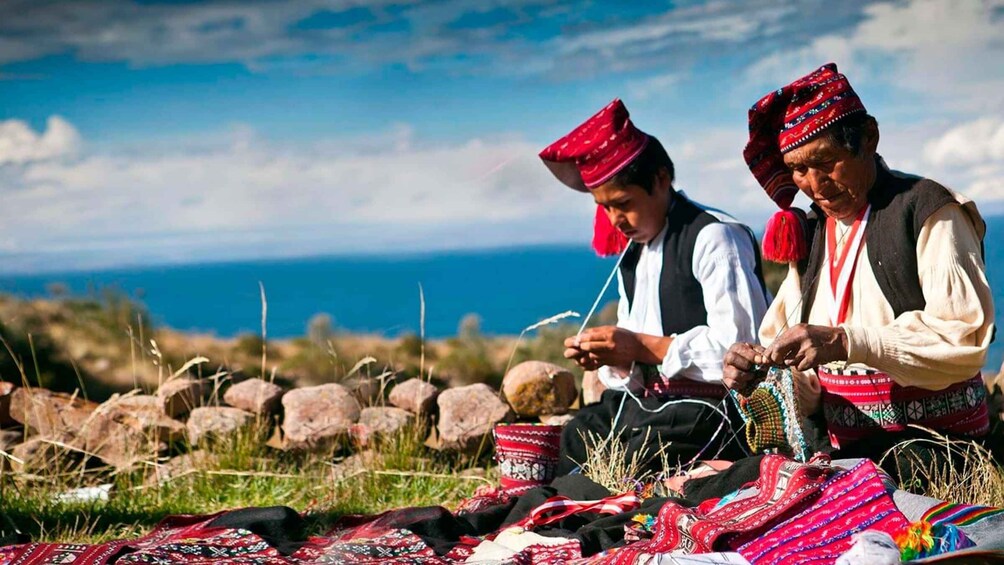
(871, 137)
(663, 182)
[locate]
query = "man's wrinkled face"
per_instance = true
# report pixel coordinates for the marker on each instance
(640, 216)
(834, 178)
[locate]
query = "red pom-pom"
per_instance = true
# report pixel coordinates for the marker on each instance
(784, 239)
(607, 240)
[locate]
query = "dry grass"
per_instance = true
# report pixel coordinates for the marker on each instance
(609, 463)
(969, 475)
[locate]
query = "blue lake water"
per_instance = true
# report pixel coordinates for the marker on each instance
(509, 289)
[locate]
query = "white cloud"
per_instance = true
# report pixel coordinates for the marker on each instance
(946, 52)
(972, 143)
(325, 197)
(658, 85)
(555, 38)
(972, 153)
(19, 143)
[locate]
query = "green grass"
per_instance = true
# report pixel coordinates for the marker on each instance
(238, 474)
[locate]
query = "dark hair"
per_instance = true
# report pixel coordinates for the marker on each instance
(850, 131)
(644, 168)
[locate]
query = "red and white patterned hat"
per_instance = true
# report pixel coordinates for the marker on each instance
(784, 120)
(590, 155)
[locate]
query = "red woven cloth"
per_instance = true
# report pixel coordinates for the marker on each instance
(850, 502)
(800, 513)
(597, 149)
(858, 402)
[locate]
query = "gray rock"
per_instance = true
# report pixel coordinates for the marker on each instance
(217, 423)
(40, 454)
(314, 416)
(179, 396)
(52, 414)
(144, 412)
(467, 414)
(382, 421)
(535, 388)
(592, 388)
(254, 395)
(415, 396)
(126, 430)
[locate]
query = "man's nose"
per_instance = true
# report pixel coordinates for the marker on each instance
(817, 179)
(615, 216)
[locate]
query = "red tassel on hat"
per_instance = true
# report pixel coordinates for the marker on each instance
(607, 240)
(784, 237)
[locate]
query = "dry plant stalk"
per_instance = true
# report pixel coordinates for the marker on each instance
(609, 463)
(546, 321)
(979, 480)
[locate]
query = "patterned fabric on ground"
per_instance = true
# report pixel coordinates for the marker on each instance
(168, 531)
(784, 487)
(484, 497)
(850, 502)
(796, 513)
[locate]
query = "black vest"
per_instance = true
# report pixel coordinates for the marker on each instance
(681, 297)
(900, 205)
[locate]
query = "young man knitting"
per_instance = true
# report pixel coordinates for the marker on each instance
(689, 285)
(886, 311)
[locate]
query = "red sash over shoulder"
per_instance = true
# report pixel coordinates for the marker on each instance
(857, 402)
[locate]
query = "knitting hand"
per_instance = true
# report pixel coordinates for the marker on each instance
(805, 347)
(605, 345)
(740, 364)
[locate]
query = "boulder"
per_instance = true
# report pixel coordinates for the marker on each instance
(314, 416)
(40, 454)
(179, 396)
(535, 388)
(366, 390)
(592, 388)
(144, 412)
(415, 396)
(52, 414)
(384, 421)
(6, 390)
(126, 430)
(467, 414)
(217, 423)
(256, 396)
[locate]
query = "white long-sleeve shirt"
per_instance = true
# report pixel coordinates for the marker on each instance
(943, 344)
(724, 264)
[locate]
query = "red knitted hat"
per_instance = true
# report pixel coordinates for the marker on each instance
(590, 155)
(779, 122)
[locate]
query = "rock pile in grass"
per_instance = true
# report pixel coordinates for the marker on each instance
(44, 430)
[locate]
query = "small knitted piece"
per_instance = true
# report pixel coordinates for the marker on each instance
(772, 417)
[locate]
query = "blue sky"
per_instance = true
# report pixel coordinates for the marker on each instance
(146, 132)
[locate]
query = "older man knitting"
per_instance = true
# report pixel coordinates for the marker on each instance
(885, 310)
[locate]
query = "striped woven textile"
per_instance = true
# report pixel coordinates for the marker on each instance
(959, 514)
